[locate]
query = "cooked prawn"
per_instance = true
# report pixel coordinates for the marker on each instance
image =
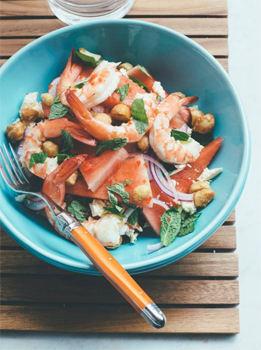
(102, 83)
(164, 145)
(103, 131)
(49, 129)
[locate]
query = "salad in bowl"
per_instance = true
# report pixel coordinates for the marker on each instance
(111, 146)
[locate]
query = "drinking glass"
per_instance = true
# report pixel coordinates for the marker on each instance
(76, 11)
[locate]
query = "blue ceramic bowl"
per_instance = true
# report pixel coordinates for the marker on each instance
(181, 65)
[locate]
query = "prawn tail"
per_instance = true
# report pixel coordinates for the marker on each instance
(54, 183)
(188, 100)
(81, 136)
(78, 108)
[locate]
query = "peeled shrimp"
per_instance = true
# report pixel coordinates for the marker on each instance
(49, 129)
(102, 83)
(164, 145)
(103, 131)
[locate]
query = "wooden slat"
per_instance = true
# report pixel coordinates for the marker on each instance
(223, 238)
(83, 289)
(141, 7)
(187, 26)
(100, 318)
(222, 61)
(193, 265)
(231, 219)
(216, 46)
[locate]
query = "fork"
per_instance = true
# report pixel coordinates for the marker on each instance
(16, 179)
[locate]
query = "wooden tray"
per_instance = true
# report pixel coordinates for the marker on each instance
(198, 293)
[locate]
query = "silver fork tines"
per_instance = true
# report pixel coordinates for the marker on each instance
(13, 175)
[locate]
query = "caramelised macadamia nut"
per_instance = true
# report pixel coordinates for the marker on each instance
(199, 185)
(203, 197)
(121, 112)
(50, 148)
(144, 144)
(15, 132)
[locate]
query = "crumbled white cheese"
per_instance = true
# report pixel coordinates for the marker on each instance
(132, 235)
(158, 89)
(193, 107)
(124, 72)
(97, 207)
(189, 207)
(209, 174)
(174, 182)
(52, 163)
(30, 102)
(189, 131)
(180, 166)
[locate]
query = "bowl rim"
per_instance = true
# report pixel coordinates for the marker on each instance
(192, 244)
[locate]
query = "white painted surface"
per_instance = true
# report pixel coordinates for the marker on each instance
(245, 61)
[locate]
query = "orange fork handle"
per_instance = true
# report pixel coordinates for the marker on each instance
(110, 268)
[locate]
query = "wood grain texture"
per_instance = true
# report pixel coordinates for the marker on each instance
(216, 46)
(118, 319)
(141, 7)
(187, 26)
(224, 238)
(89, 290)
(192, 265)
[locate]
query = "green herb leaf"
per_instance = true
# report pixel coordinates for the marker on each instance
(133, 218)
(170, 226)
(139, 83)
(139, 115)
(78, 210)
(187, 224)
(159, 98)
(115, 209)
(57, 110)
(62, 156)
(37, 158)
(87, 58)
(113, 199)
(81, 83)
(179, 135)
(119, 189)
(123, 91)
(203, 139)
(113, 145)
(126, 182)
(144, 70)
(67, 142)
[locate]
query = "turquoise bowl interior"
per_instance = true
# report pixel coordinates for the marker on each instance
(181, 65)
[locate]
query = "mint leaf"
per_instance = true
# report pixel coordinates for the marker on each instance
(139, 115)
(78, 210)
(133, 218)
(170, 226)
(179, 135)
(119, 189)
(203, 139)
(36, 158)
(187, 224)
(115, 209)
(123, 91)
(113, 145)
(113, 199)
(139, 83)
(144, 70)
(159, 98)
(57, 110)
(87, 58)
(67, 142)
(62, 156)
(81, 83)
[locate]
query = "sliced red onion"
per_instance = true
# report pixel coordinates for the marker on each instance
(53, 86)
(161, 203)
(34, 203)
(183, 128)
(154, 247)
(98, 109)
(128, 212)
